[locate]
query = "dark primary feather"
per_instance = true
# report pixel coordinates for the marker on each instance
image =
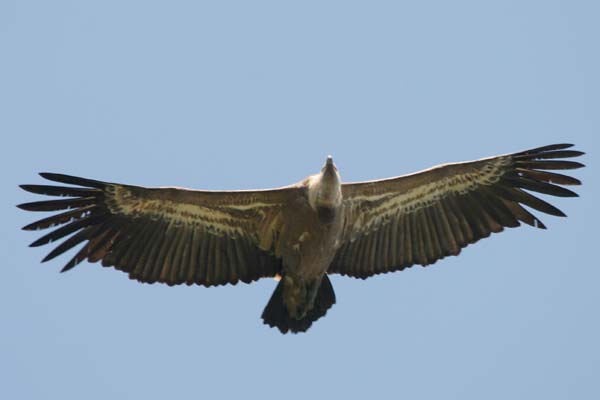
(62, 218)
(149, 249)
(454, 220)
(545, 149)
(56, 205)
(49, 190)
(74, 180)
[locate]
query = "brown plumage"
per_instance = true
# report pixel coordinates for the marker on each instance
(301, 232)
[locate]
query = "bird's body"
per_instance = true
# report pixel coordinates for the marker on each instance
(303, 232)
(309, 245)
(307, 251)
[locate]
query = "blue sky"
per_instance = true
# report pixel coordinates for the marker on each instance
(231, 94)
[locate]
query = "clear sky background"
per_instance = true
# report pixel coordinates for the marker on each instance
(254, 94)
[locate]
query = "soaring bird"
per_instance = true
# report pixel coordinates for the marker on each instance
(299, 233)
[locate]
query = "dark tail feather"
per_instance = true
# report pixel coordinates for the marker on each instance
(276, 313)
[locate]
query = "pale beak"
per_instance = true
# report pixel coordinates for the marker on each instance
(329, 167)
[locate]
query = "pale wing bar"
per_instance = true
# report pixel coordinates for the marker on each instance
(168, 235)
(418, 219)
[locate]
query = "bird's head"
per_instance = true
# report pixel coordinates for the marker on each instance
(329, 165)
(325, 188)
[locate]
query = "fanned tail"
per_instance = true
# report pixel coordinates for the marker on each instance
(277, 315)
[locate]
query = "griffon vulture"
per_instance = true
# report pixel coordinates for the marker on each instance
(300, 233)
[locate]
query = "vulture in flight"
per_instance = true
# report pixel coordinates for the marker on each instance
(299, 233)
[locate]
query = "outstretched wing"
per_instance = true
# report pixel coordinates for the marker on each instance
(167, 235)
(395, 223)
